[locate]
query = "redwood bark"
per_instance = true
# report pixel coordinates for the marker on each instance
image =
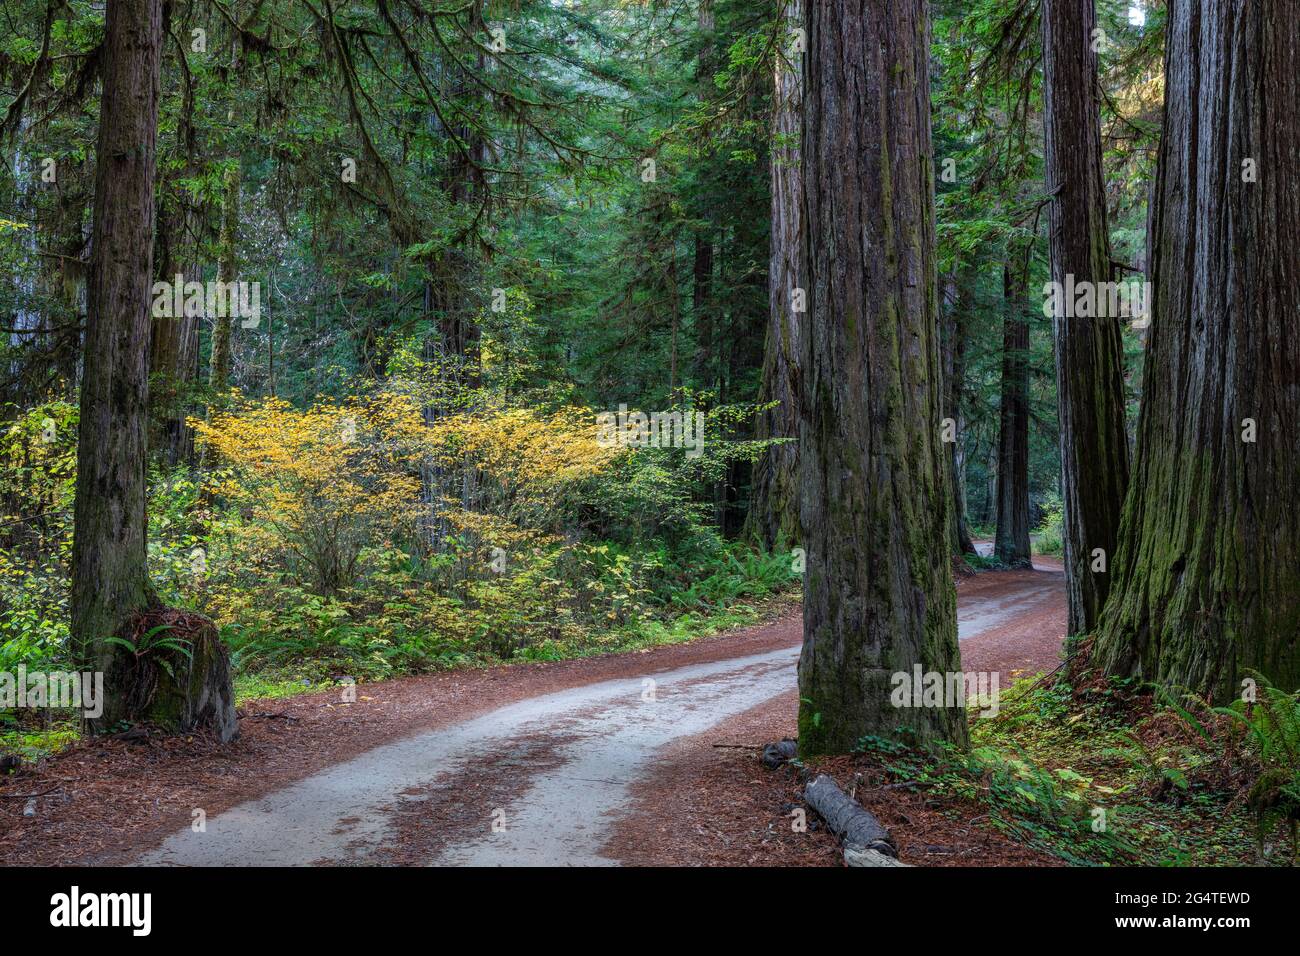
(954, 368)
(173, 343)
(708, 365)
(1089, 351)
(775, 509)
(1011, 543)
(228, 248)
(110, 579)
(874, 487)
(1207, 578)
(227, 272)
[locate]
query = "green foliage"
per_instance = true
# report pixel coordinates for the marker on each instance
(544, 544)
(38, 456)
(154, 644)
(985, 562)
(1272, 722)
(1048, 536)
(1057, 758)
(36, 739)
(612, 549)
(1046, 808)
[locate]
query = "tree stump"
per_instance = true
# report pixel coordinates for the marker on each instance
(178, 677)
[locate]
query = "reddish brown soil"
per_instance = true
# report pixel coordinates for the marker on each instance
(104, 800)
(712, 803)
(930, 832)
(1031, 641)
(455, 802)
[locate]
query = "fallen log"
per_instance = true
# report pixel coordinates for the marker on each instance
(866, 842)
(855, 857)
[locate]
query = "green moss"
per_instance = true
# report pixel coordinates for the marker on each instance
(1048, 762)
(31, 744)
(812, 736)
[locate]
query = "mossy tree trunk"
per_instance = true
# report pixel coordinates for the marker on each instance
(707, 368)
(173, 340)
(1011, 542)
(1207, 578)
(179, 675)
(227, 272)
(774, 512)
(227, 243)
(954, 376)
(1089, 351)
(110, 582)
(874, 486)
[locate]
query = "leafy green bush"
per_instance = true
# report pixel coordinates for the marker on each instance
(1049, 536)
(531, 540)
(38, 457)
(1272, 724)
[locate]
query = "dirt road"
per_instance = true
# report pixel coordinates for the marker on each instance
(545, 779)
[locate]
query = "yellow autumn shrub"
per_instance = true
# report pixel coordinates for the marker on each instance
(528, 466)
(314, 490)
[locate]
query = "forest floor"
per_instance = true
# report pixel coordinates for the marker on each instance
(711, 803)
(641, 758)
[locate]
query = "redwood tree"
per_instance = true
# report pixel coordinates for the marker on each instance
(111, 597)
(110, 580)
(227, 272)
(1011, 544)
(954, 377)
(874, 490)
(228, 242)
(1089, 351)
(174, 341)
(775, 509)
(1207, 578)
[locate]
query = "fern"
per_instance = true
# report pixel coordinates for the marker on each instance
(1273, 723)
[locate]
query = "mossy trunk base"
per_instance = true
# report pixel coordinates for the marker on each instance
(181, 692)
(1207, 575)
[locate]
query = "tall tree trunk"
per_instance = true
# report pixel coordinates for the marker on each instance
(1206, 581)
(1089, 351)
(954, 376)
(464, 183)
(708, 367)
(1011, 543)
(701, 310)
(774, 513)
(227, 272)
(173, 341)
(110, 580)
(878, 593)
(228, 240)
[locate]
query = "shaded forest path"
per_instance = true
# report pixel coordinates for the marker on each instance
(1012, 622)
(545, 780)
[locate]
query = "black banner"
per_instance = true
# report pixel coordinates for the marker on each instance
(133, 906)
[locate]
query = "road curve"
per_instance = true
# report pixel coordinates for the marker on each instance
(538, 782)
